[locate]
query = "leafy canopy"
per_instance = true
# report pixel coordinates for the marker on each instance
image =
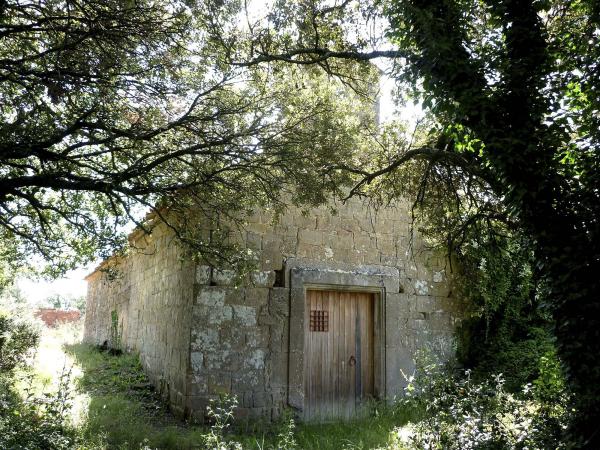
(113, 107)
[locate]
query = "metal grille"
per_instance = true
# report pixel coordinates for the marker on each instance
(319, 320)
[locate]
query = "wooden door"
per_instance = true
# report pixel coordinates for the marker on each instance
(338, 353)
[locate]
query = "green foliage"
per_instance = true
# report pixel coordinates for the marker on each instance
(114, 339)
(29, 421)
(17, 340)
(36, 421)
(506, 331)
(286, 436)
(59, 301)
(220, 414)
(462, 413)
(550, 383)
(100, 123)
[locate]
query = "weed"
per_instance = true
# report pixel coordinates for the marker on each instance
(286, 439)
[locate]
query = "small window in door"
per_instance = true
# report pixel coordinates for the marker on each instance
(319, 320)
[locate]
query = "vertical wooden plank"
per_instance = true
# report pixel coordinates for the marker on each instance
(330, 358)
(347, 353)
(310, 358)
(323, 364)
(358, 351)
(360, 354)
(378, 338)
(352, 348)
(364, 311)
(308, 352)
(371, 348)
(343, 355)
(336, 353)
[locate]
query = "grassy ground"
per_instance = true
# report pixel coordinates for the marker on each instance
(116, 407)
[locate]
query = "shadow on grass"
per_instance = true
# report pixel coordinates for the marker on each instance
(124, 412)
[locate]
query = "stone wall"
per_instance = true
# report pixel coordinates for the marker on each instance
(200, 334)
(247, 340)
(152, 293)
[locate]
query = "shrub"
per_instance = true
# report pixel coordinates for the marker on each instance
(29, 421)
(36, 421)
(464, 414)
(17, 339)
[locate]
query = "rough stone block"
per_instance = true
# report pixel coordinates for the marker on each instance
(198, 385)
(440, 321)
(198, 405)
(440, 289)
(223, 277)
(258, 228)
(257, 296)
(261, 399)
(278, 370)
(388, 259)
(400, 366)
(263, 278)
(426, 304)
(256, 359)
(219, 384)
(279, 337)
(257, 338)
(439, 276)
(244, 316)
(196, 361)
(212, 315)
(279, 299)
(244, 398)
(311, 237)
(304, 250)
(268, 320)
(204, 339)
(339, 239)
(211, 296)
(253, 240)
(232, 336)
(421, 287)
(307, 222)
(235, 296)
(202, 275)
(327, 221)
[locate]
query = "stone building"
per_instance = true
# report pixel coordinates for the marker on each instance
(333, 315)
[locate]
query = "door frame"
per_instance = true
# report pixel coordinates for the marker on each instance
(305, 275)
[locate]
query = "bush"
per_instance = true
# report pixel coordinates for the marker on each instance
(506, 329)
(17, 340)
(29, 421)
(464, 414)
(36, 421)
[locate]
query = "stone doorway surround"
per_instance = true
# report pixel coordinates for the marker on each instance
(302, 275)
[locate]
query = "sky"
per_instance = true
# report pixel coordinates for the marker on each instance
(71, 285)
